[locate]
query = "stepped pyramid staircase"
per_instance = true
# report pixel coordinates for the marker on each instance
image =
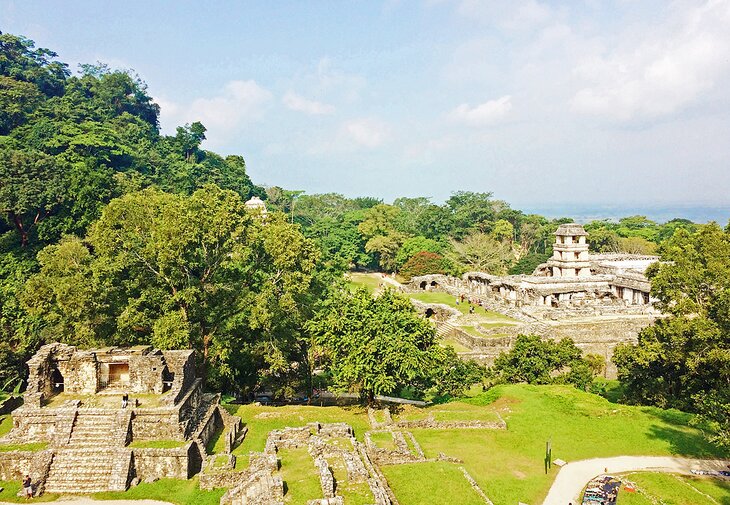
(94, 457)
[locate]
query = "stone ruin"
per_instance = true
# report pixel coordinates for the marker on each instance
(73, 405)
(598, 300)
(258, 485)
(571, 279)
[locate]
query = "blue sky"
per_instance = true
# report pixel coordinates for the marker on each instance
(615, 103)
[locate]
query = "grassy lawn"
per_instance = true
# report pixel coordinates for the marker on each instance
(260, 420)
(452, 411)
(437, 483)
(369, 281)
(11, 488)
(508, 464)
(301, 478)
(157, 444)
(672, 489)
(458, 347)
(383, 440)
(180, 492)
(447, 299)
(35, 446)
(6, 424)
(217, 443)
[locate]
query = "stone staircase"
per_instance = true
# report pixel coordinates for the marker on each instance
(93, 430)
(81, 471)
(92, 460)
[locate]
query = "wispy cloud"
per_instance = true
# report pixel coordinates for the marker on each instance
(298, 103)
(483, 114)
(660, 72)
(367, 132)
(239, 103)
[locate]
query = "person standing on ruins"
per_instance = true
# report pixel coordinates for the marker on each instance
(28, 487)
(125, 400)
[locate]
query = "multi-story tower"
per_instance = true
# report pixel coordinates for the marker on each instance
(570, 252)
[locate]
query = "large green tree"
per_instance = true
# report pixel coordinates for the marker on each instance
(683, 360)
(374, 345)
(182, 272)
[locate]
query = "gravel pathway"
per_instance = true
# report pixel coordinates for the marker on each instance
(574, 476)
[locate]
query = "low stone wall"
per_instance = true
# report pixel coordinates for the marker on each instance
(212, 423)
(168, 463)
(14, 465)
(39, 425)
(157, 424)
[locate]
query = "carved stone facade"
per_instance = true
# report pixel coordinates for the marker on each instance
(74, 405)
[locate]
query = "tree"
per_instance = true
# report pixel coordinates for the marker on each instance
(603, 240)
(193, 272)
(415, 245)
(424, 263)
(683, 360)
(470, 212)
(538, 361)
(636, 245)
(379, 228)
(482, 252)
(31, 189)
(373, 345)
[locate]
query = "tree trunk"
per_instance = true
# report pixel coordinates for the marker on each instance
(19, 226)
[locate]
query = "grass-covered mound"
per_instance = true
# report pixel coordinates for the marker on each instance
(509, 465)
(675, 490)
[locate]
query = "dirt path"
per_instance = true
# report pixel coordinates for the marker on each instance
(574, 476)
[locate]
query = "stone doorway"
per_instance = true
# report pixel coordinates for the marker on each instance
(56, 381)
(114, 375)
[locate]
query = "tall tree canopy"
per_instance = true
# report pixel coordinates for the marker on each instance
(374, 345)
(181, 272)
(683, 361)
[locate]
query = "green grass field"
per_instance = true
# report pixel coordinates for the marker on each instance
(180, 492)
(508, 464)
(11, 488)
(157, 444)
(301, 480)
(433, 483)
(260, 420)
(369, 281)
(6, 424)
(447, 299)
(670, 489)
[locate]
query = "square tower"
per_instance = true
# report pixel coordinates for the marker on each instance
(570, 252)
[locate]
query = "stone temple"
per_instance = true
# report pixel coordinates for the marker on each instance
(84, 439)
(598, 300)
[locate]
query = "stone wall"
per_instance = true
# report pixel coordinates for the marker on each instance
(37, 425)
(156, 424)
(14, 465)
(181, 367)
(156, 463)
(146, 373)
(80, 373)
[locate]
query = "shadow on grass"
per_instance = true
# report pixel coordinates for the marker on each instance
(682, 443)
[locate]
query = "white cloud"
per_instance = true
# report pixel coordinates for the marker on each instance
(301, 104)
(483, 114)
(240, 102)
(351, 136)
(367, 132)
(658, 72)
